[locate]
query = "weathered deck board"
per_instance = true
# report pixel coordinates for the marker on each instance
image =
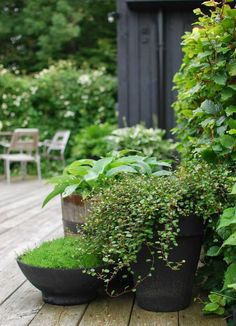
(193, 316)
(59, 315)
(108, 312)
(142, 317)
(10, 277)
(21, 307)
(24, 224)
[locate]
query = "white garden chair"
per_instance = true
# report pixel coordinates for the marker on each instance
(23, 148)
(57, 144)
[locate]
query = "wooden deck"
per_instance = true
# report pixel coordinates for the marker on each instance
(22, 225)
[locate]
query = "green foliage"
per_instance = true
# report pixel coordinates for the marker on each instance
(63, 253)
(62, 93)
(91, 141)
(205, 107)
(86, 175)
(148, 141)
(98, 140)
(124, 219)
(34, 34)
(227, 231)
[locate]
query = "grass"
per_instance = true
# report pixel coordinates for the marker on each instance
(63, 253)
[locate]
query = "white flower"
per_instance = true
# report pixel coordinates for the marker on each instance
(3, 71)
(84, 98)
(61, 97)
(33, 89)
(4, 106)
(4, 96)
(69, 114)
(66, 103)
(102, 89)
(84, 79)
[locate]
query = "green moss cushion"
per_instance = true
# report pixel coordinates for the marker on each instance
(63, 253)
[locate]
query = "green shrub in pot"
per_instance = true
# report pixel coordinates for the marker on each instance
(83, 178)
(147, 211)
(87, 175)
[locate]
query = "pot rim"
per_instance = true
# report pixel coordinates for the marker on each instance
(56, 269)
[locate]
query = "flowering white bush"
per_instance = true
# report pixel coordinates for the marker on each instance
(60, 97)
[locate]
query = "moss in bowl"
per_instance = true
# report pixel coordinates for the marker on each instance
(56, 268)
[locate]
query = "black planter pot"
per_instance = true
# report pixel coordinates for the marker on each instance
(168, 290)
(234, 314)
(61, 286)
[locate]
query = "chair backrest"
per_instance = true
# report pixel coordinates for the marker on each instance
(59, 141)
(24, 140)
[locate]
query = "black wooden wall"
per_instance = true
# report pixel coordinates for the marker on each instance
(149, 54)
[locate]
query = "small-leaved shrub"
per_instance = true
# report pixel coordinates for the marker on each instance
(124, 219)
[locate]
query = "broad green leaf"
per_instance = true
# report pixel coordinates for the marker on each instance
(220, 79)
(211, 307)
(213, 251)
(208, 122)
(210, 3)
(143, 167)
(162, 163)
(162, 173)
(56, 191)
(62, 179)
(233, 192)
(232, 67)
(227, 141)
(210, 107)
(230, 275)
(233, 86)
(227, 218)
(69, 190)
(230, 110)
(217, 298)
(100, 165)
(76, 170)
(232, 123)
(232, 286)
(91, 176)
(231, 241)
(120, 169)
(232, 132)
(209, 155)
(226, 94)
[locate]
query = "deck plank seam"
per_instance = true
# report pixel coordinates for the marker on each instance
(131, 310)
(82, 315)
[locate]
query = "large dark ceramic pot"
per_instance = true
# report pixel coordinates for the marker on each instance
(61, 286)
(234, 314)
(169, 290)
(74, 213)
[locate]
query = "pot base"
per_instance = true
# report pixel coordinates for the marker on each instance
(162, 305)
(67, 300)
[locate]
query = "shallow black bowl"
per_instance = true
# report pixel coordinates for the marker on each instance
(61, 286)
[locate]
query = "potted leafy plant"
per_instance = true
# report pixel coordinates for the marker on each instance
(154, 228)
(85, 177)
(57, 269)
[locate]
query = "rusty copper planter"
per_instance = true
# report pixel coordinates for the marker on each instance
(74, 213)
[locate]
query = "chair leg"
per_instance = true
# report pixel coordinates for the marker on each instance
(39, 169)
(7, 171)
(23, 170)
